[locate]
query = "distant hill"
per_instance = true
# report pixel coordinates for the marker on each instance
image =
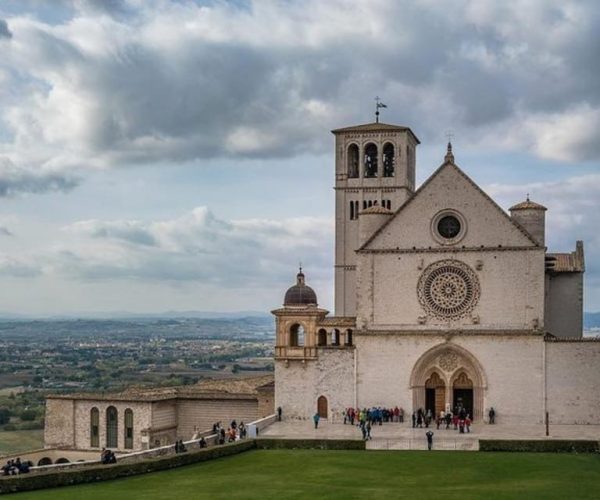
(591, 320)
(125, 315)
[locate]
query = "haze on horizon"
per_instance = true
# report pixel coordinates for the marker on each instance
(176, 155)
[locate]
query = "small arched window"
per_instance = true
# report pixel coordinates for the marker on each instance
(94, 428)
(112, 426)
(322, 337)
(352, 161)
(128, 418)
(348, 337)
(370, 160)
(297, 335)
(388, 160)
(336, 337)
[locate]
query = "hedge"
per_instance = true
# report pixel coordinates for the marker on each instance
(547, 445)
(53, 479)
(310, 444)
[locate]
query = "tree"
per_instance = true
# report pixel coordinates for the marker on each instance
(4, 416)
(28, 415)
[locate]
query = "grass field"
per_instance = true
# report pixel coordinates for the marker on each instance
(290, 474)
(17, 441)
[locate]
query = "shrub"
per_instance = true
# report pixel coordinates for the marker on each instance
(28, 415)
(540, 445)
(4, 416)
(307, 444)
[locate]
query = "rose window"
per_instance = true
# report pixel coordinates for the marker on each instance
(448, 289)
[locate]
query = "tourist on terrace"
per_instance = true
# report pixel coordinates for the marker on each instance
(279, 412)
(492, 415)
(316, 419)
(468, 422)
(202, 443)
(221, 435)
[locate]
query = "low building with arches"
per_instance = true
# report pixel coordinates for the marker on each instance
(142, 418)
(442, 300)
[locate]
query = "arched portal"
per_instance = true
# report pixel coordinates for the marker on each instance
(322, 406)
(44, 461)
(450, 363)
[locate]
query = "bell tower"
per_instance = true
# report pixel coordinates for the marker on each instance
(374, 166)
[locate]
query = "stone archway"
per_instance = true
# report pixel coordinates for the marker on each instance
(435, 394)
(451, 363)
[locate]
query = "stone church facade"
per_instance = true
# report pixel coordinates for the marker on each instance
(441, 298)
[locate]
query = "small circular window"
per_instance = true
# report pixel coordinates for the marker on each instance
(448, 227)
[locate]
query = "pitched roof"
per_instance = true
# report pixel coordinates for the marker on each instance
(446, 164)
(210, 388)
(572, 262)
(375, 127)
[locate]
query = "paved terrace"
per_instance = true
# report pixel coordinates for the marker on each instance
(396, 436)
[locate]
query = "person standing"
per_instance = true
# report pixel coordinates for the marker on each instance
(492, 415)
(429, 435)
(316, 419)
(279, 412)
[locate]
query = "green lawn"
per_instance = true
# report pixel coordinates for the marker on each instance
(18, 441)
(284, 474)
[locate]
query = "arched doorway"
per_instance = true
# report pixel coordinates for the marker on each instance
(435, 394)
(464, 378)
(462, 393)
(322, 406)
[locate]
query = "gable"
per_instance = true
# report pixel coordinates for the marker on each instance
(449, 190)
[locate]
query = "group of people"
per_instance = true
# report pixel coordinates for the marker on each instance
(14, 467)
(107, 457)
(459, 418)
(233, 432)
(374, 415)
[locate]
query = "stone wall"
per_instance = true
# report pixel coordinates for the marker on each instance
(573, 381)
(200, 414)
(388, 290)
(299, 384)
(564, 304)
(511, 366)
(59, 428)
(141, 420)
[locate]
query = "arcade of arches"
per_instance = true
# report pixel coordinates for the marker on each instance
(447, 377)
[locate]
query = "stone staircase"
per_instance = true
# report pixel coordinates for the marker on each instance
(441, 444)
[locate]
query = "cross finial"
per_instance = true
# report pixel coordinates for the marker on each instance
(300, 266)
(378, 104)
(527, 196)
(449, 158)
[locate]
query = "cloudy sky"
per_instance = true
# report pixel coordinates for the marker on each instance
(175, 155)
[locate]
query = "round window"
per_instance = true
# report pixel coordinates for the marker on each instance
(449, 227)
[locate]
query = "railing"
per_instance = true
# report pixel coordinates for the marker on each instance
(211, 440)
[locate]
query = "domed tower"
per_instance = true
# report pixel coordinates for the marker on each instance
(296, 322)
(531, 216)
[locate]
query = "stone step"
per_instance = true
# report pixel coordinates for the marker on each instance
(421, 444)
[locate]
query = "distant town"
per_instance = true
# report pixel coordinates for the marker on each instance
(59, 356)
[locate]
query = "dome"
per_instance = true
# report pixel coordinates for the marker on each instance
(300, 294)
(527, 205)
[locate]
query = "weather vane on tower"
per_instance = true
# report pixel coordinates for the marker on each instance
(378, 104)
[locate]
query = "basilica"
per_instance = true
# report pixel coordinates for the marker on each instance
(442, 298)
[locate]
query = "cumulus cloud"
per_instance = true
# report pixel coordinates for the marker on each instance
(15, 180)
(126, 82)
(199, 247)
